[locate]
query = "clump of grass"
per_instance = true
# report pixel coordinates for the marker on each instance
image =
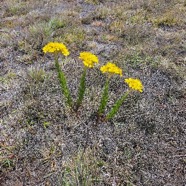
(16, 9)
(94, 2)
(117, 27)
(42, 28)
(83, 169)
(184, 3)
(8, 77)
(56, 23)
(139, 17)
(168, 19)
(134, 60)
(74, 35)
(116, 12)
(43, 31)
(165, 21)
(37, 74)
(46, 124)
(6, 156)
(135, 34)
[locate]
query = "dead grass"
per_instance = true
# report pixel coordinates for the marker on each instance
(43, 142)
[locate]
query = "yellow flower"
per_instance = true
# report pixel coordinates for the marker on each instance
(54, 47)
(88, 59)
(134, 84)
(111, 68)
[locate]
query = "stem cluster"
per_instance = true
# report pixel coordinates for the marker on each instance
(81, 92)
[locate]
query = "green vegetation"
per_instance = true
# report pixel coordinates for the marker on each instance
(82, 169)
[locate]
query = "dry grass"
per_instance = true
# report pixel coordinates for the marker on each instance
(43, 142)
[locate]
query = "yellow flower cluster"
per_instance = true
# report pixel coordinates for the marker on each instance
(134, 84)
(88, 59)
(54, 47)
(111, 68)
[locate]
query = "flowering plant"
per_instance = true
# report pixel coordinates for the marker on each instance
(134, 84)
(110, 69)
(89, 60)
(54, 47)
(59, 48)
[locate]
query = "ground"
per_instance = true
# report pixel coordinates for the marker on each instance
(44, 142)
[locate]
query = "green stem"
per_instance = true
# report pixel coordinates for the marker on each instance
(104, 98)
(63, 82)
(116, 106)
(81, 90)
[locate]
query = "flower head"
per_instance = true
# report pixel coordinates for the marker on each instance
(54, 47)
(88, 59)
(134, 84)
(111, 68)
